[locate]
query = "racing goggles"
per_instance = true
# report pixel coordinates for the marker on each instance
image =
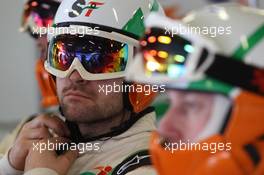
(95, 57)
(37, 14)
(174, 57)
(180, 59)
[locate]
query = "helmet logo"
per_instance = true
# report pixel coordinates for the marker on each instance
(80, 5)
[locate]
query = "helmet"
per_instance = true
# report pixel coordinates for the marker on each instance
(243, 44)
(40, 13)
(113, 14)
(239, 45)
(37, 14)
(113, 31)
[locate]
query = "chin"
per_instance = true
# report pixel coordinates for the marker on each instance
(79, 116)
(71, 113)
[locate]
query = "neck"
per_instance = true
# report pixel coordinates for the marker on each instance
(89, 130)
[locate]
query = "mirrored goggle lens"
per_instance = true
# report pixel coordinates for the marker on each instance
(96, 54)
(41, 11)
(165, 54)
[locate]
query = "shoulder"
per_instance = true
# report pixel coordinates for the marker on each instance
(137, 163)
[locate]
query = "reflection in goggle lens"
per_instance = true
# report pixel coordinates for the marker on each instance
(96, 54)
(164, 54)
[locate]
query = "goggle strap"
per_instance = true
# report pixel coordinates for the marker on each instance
(237, 73)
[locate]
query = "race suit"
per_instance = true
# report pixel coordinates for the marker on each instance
(125, 153)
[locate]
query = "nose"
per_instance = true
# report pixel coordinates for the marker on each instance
(75, 77)
(172, 123)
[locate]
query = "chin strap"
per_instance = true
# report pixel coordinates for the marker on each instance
(76, 135)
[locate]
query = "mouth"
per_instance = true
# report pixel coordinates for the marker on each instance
(76, 95)
(172, 136)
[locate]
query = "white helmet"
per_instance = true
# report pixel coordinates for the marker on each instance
(99, 39)
(112, 20)
(238, 35)
(117, 14)
(239, 65)
(240, 45)
(243, 40)
(230, 36)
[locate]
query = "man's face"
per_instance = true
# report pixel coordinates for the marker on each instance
(82, 102)
(187, 116)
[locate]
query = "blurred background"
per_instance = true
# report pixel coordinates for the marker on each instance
(19, 94)
(18, 88)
